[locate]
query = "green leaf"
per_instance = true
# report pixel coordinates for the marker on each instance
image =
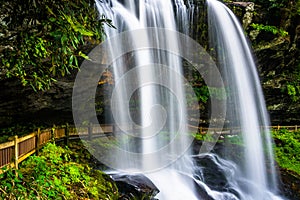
(83, 30)
(83, 55)
(52, 19)
(56, 34)
(71, 59)
(76, 61)
(63, 39)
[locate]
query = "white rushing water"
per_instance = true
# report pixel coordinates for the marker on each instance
(161, 111)
(247, 100)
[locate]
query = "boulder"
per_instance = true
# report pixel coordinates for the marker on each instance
(134, 185)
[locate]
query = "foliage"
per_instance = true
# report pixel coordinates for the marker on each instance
(198, 92)
(18, 129)
(42, 40)
(202, 93)
(53, 175)
(208, 137)
(293, 91)
(292, 84)
(272, 5)
(287, 149)
(268, 28)
(196, 83)
(293, 5)
(278, 3)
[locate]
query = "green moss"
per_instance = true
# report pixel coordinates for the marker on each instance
(272, 29)
(287, 149)
(54, 175)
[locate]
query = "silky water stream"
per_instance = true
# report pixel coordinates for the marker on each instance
(144, 52)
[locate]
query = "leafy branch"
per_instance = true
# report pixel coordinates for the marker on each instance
(44, 40)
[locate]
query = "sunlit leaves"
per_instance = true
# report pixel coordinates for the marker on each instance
(271, 29)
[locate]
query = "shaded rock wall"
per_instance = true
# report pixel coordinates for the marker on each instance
(277, 54)
(22, 105)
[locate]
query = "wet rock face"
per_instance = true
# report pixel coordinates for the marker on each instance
(290, 185)
(211, 174)
(215, 175)
(137, 186)
(140, 187)
(277, 54)
(277, 63)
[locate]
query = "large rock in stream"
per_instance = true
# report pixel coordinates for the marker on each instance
(139, 186)
(134, 185)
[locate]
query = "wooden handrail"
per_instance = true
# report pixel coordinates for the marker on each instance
(14, 152)
(6, 145)
(291, 128)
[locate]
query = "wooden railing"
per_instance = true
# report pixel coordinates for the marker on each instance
(235, 130)
(18, 149)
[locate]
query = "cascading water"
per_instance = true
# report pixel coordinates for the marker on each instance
(162, 114)
(246, 100)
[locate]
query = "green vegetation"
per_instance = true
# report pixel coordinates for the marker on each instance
(43, 40)
(54, 174)
(274, 6)
(205, 137)
(293, 91)
(287, 149)
(19, 130)
(292, 84)
(268, 28)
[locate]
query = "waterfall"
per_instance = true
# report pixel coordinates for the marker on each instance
(160, 94)
(149, 101)
(237, 63)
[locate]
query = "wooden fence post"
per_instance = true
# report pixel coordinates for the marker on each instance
(296, 128)
(16, 153)
(38, 139)
(53, 133)
(67, 134)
